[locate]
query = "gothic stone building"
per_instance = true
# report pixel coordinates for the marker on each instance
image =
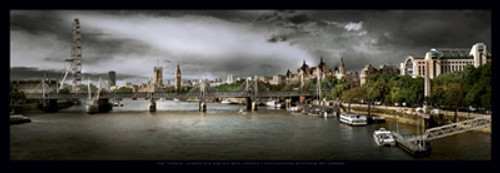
(305, 73)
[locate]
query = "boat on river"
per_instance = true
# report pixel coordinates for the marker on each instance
(275, 104)
(353, 119)
(228, 101)
(383, 137)
(19, 118)
(294, 109)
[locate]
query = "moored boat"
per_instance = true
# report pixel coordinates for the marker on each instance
(315, 111)
(117, 104)
(275, 104)
(383, 137)
(18, 119)
(228, 101)
(353, 119)
(377, 119)
(294, 109)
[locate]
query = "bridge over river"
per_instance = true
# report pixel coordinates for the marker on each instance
(165, 95)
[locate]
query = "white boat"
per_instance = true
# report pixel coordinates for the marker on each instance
(18, 119)
(353, 119)
(275, 104)
(383, 137)
(176, 100)
(228, 101)
(294, 109)
(314, 112)
(117, 104)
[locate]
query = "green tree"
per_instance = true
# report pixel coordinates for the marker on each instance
(123, 90)
(63, 91)
(354, 94)
(478, 86)
(16, 96)
(454, 95)
(339, 88)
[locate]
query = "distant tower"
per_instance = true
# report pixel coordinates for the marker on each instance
(178, 78)
(158, 76)
(111, 79)
(76, 56)
(341, 73)
(230, 79)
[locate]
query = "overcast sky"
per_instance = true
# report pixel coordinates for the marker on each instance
(239, 42)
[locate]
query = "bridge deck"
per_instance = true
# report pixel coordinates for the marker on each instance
(171, 95)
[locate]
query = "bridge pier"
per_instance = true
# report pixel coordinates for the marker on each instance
(249, 103)
(255, 105)
(152, 105)
(288, 103)
(51, 105)
(202, 106)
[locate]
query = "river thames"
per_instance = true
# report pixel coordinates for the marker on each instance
(177, 131)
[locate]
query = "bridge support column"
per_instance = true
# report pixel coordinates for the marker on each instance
(202, 106)
(152, 105)
(249, 103)
(52, 105)
(255, 106)
(104, 105)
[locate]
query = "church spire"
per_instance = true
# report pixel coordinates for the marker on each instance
(341, 62)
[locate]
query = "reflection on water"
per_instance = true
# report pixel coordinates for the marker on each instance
(179, 132)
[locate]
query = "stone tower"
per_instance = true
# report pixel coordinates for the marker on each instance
(177, 78)
(341, 72)
(158, 76)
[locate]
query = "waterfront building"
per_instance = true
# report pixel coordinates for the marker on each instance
(341, 71)
(266, 79)
(367, 71)
(111, 79)
(323, 71)
(230, 79)
(355, 80)
(277, 80)
(158, 76)
(177, 78)
(443, 60)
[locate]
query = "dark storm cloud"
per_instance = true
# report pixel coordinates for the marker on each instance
(40, 23)
(244, 42)
(430, 28)
(382, 36)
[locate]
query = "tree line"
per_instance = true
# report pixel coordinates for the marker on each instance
(471, 87)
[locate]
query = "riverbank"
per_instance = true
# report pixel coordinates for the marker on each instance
(408, 115)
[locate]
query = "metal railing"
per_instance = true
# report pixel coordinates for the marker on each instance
(449, 129)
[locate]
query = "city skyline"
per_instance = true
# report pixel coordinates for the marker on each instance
(243, 42)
